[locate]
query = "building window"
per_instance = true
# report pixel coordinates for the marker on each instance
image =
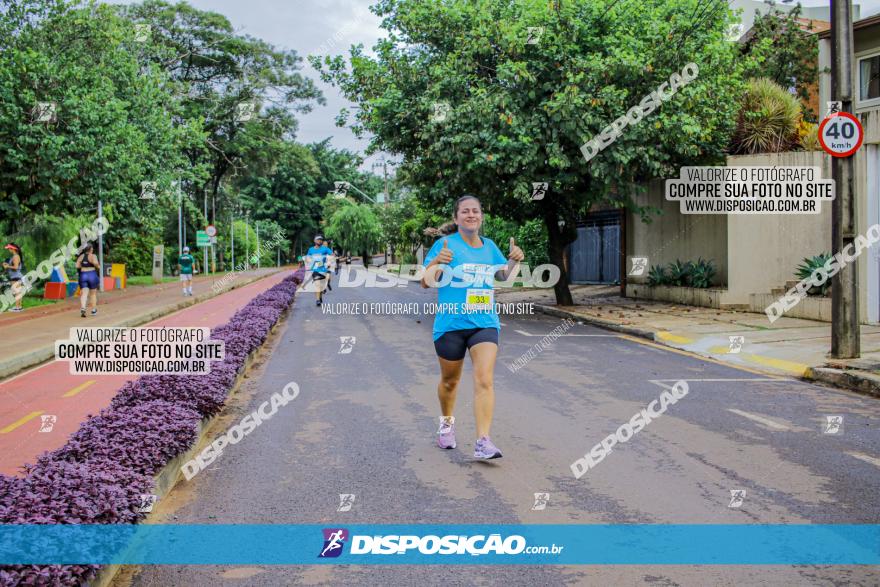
(869, 80)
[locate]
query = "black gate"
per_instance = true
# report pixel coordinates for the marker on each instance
(595, 256)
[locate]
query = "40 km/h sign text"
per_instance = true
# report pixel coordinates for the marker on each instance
(841, 134)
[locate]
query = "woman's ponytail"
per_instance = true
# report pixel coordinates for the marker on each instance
(448, 228)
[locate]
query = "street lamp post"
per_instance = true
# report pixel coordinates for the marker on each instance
(205, 249)
(213, 245)
(100, 249)
(179, 218)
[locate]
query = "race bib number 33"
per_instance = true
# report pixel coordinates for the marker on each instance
(480, 299)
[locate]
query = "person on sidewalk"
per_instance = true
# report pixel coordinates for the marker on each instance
(185, 264)
(87, 266)
(14, 267)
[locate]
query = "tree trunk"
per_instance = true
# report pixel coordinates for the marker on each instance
(557, 248)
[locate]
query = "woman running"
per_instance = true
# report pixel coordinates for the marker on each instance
(466, 264)
(87, 265)
(14, 267)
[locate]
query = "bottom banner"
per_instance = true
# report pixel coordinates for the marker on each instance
(280, 544)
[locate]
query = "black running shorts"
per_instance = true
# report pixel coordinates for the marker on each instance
(453, 345)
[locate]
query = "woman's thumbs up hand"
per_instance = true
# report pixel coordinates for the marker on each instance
(445, 255)
(515, 253)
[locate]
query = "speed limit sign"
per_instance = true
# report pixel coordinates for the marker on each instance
(211, 230)
(841, 134)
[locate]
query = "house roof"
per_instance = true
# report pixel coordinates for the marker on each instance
(810, 25)
(859, 24)
(814, 25)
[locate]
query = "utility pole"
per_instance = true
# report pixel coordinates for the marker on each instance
(844, 299)
(213, 246)
(384, 164)
(385, 174)
(100, 249)
(179, 219)
(205, 249)
(183, 223)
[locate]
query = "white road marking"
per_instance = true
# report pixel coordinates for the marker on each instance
(524, 333)
(773, 379)
(868, 459)
(760, 419)
(661, 383)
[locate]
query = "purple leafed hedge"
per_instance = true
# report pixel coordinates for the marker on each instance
(98, 476)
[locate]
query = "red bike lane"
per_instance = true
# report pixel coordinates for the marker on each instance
(50, 389)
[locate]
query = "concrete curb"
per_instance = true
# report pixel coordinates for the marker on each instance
(857, 381)
(16, 365)
(170, 475)
(860, 382)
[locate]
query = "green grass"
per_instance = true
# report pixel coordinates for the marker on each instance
(32, 302)
(34, 298)
(146, 280)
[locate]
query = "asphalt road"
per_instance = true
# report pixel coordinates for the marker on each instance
(364, 424)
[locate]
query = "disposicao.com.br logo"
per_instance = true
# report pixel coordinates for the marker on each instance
(334, 540)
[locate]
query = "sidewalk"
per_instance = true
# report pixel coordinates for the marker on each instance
(28, 338)
(50, 389)
(790, 346)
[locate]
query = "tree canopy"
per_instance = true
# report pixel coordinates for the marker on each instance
(489, 96)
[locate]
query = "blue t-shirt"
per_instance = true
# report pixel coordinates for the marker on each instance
(319, 258)
(466, 296)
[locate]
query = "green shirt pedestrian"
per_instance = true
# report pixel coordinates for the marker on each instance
(186, 263)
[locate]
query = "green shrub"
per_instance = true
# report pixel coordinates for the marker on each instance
(136, 252)
(657, 276)
(679, 273)
(809, 136)
(532, 238)
(701, 273)
(810, 264)
(41, 235)
(768, 120)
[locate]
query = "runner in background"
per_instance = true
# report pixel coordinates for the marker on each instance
(185, 264)
(87, 265)
(467, 320)
(316, 262)
(332, 267)
(14, 267)
(337, 257)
